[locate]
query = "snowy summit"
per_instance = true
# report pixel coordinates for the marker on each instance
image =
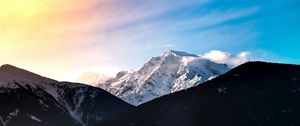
(172, 71)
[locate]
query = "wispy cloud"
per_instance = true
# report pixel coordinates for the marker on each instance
(139, 30)
(151, 25)
(232, 60)
(115, 33)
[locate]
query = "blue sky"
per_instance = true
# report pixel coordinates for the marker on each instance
(109, 36)
(279, 27)
(275, 28)
(269, 30)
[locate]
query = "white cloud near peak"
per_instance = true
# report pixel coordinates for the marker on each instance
(232, 60)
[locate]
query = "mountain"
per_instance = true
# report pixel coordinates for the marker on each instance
(92, 78)
(253, 94)
(30, 99)
(172, 71)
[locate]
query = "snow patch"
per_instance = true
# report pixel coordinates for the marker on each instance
(212, 77)
(9, 117)
(74, 111)
(15, 113)
(33, 117)
(3, 122)
(222, 90)
(43, 104)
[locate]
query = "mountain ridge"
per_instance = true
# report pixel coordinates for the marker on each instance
(255, 93)
(79, 104)
(10, 72)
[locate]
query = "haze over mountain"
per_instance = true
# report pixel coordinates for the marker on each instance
(92, 78)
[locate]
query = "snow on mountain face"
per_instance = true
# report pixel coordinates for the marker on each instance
(170, 72)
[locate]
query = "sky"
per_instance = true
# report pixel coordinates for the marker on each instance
(61, 39)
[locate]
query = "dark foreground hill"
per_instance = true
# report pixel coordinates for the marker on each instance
(253, 94)
(28, 99)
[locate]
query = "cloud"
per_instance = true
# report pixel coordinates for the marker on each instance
(226, 58)
(151, 31)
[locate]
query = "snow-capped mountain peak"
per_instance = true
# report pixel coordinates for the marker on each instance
(170, 72)
(176, 53)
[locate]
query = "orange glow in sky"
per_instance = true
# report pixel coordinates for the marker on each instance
(47, 36)
(62, 39)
